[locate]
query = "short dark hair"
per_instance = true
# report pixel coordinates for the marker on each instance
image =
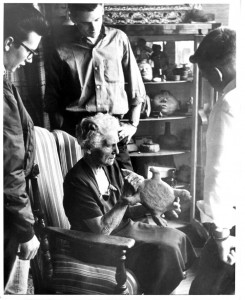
(74, 7)
(21, 19)
(217, 48)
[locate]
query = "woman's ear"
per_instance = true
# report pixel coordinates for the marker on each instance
(8, 43)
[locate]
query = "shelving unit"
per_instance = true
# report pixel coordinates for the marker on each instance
(183, 88)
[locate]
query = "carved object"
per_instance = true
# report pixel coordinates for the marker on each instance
(157, 196)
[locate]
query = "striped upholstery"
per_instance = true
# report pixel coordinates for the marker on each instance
(71, 276)
(50, 180)
(68, 148)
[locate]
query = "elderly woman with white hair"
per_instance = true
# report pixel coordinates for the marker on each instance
(96, 200)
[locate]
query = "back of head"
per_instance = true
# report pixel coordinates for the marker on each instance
(218, 48)
(93, 130)
(21, 19)
(73, 7)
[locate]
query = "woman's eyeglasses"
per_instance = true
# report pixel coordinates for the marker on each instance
(31, 52)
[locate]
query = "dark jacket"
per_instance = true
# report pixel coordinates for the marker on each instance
(19, 151)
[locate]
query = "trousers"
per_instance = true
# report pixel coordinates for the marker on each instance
(214, 277)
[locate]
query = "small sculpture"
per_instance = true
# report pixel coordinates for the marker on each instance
(165, 103)
(157, 196)
(145, 70)
(141, 50)
(160, 59)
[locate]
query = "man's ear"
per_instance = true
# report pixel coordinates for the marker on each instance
(8, 43)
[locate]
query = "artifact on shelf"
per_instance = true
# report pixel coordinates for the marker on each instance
(189, 104)
(149, 147)
(167, 140)
(131, 146)
(171, 178)
(141, 50)
(145, 70)
(158, 196)
(183, 174)
(165, 103)
(161, 61)
(197, 14)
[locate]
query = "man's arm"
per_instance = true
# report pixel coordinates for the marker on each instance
(225, 243)
(136, 90)
(128, 129)
(16, 201)
(54, 89)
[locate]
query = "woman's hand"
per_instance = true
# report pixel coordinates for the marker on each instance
(132, 181)
(130, 199)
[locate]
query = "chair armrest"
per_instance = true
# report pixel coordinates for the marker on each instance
(91, 239)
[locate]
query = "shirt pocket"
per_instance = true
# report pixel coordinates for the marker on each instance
(112, 70)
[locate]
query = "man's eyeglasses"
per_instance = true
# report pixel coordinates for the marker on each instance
(31, 52)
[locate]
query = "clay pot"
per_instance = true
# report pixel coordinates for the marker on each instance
(156, 196)
(165, 102)
(168, 140)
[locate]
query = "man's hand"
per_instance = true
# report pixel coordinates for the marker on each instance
(174, 210)
(29, 249)
(226, 249)
(126, 132)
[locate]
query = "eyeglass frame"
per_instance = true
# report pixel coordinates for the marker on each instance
(31, 52)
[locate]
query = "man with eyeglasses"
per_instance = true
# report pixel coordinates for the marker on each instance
(23, 28)
(87, 75)
(31, 52)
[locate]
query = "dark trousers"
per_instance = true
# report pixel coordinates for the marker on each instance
(214, 277)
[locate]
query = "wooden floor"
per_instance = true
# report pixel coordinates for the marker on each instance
(184, 286)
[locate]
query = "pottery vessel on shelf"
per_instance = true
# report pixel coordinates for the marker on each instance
(168, 140)
(165, 103)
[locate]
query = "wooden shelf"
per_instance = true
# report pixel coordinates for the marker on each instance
(160, 153)
(166, 29)
(168, 82)
(181, 117)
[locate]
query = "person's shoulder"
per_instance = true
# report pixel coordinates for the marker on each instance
(77, 171)
(116, 31)
(8, 90)
(65, 36)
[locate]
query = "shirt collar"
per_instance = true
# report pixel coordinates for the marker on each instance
(103, 33)
(230, 86)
